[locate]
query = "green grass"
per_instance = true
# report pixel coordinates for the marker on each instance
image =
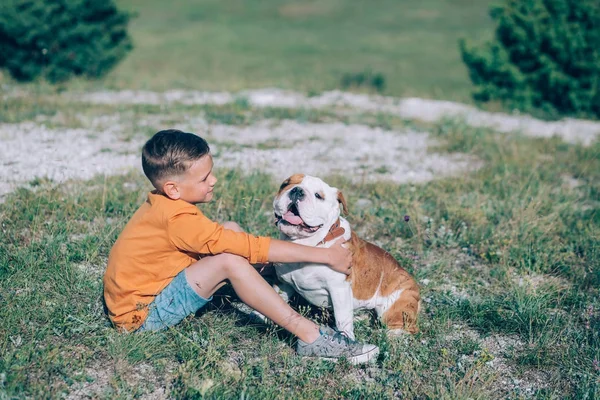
(477, 240)
(307, 46)
(510, 252)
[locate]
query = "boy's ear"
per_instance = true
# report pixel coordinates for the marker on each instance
(171, 190)
(342, 202)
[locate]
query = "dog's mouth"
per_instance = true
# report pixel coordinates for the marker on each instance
(292, 217)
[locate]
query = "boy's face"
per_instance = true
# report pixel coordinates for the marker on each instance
(195, 185)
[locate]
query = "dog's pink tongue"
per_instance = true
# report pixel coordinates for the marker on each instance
(292, 218)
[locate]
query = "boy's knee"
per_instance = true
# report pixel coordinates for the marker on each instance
(232, 264)
(233, 226)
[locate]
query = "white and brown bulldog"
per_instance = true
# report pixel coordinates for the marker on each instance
(307, 211)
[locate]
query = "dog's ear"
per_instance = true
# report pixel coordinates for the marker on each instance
(342, 201)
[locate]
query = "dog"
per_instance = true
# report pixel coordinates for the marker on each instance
(308, 211)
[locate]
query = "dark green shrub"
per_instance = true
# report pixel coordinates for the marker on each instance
(545, 55)
(367, 79)
(57, 39)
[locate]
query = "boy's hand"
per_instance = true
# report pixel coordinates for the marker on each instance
(340, 258)
(336, 257)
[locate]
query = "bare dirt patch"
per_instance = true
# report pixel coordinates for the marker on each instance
(100, 381)
(30, 150)
(569, 129)
(495, 353)
(106, 146)
(358, 152)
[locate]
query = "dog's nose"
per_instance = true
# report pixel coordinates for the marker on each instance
(296, 194)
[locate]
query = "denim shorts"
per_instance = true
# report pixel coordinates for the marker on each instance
(173, 304)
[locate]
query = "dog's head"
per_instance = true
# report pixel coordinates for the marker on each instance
(305, 204)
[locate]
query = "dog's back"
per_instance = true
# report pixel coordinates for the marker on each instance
(375, 273)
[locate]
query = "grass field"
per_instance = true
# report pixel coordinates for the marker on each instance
(508, 259)
(307, 46)
(507, 255)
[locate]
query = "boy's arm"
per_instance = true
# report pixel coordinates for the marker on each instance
(195, 233)
(337, 257)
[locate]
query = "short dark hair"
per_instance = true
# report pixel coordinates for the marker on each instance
(171, 152)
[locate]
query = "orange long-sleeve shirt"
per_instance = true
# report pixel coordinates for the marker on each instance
(163, 238)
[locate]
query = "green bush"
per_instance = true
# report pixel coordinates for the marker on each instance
(57, 39)
(366, 79)
(545, 55)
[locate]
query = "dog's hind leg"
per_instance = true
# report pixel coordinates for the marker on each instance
(402, 314)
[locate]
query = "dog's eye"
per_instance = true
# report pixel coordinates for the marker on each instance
(318, 196)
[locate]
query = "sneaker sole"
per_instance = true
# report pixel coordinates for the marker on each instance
(360, 359)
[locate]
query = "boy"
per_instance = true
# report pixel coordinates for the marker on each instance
(170, 258)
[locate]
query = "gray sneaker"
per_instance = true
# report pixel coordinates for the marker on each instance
(332, 345)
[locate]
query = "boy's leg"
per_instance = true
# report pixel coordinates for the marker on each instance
(208, 274)
(175, 302)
